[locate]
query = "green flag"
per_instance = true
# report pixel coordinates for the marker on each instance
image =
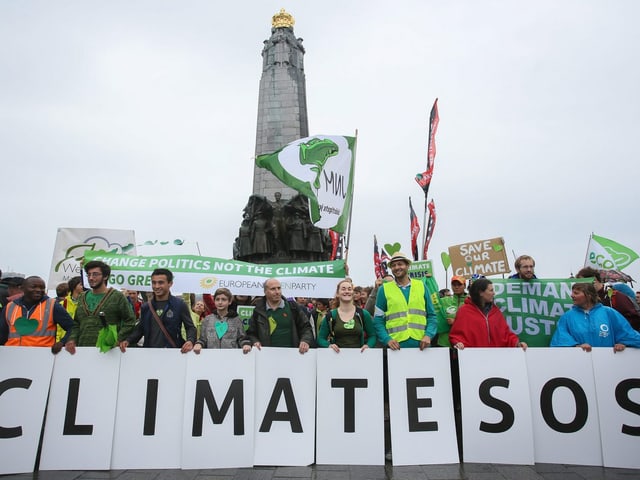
(446, 260)
(320, 168)
(107, 338)
(606, 254)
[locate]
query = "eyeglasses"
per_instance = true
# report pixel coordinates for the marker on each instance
(94, 274)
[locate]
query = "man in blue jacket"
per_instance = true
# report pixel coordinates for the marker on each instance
(162, 318)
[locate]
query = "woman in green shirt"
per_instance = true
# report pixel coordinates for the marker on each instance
(346, 326)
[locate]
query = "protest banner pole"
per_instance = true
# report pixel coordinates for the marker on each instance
(586, 255)
(353, 173)
(424, 223)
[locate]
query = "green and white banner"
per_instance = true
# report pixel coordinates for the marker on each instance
(321, 168)
(72, 243)
(605, 254)
(194, 274)
(532, 308)
(421, 269)
(245, 312)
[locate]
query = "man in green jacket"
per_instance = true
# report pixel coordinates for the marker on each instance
(450, 306)
(98, 307)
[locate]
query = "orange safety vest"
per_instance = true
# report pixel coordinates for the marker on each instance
(45, 333)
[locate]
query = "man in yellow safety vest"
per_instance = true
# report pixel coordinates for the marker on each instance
(404, 315)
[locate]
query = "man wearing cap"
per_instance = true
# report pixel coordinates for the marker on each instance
(404, 314)
(450, 307)
(525, 266)
(11, 289)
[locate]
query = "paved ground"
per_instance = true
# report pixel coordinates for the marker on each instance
(471, 471)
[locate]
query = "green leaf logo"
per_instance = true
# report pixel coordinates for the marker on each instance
(25, 326)
(392, 248)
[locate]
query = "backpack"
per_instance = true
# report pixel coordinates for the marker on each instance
(296, 310)
(628, 291)
(332, 322)
(624, 289)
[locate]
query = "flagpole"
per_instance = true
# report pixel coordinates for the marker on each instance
(353, 188)
(424, 224)
(429, 167)
(426, 199)
(586, 255)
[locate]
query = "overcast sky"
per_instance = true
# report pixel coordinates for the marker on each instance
(142, 114)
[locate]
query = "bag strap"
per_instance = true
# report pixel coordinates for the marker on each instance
(332, 323)
(171, 341)
(360, 316)
(93, 312)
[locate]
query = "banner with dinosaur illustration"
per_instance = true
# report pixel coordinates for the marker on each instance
(320, 168)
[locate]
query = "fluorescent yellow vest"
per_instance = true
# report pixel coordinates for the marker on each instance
(405, 320)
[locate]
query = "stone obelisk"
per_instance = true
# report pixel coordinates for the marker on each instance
(276, 227)
(282, 101)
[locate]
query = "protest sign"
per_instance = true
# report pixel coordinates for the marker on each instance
(25, 374)
(496, 408)
(149, 409)
(81, 411)
(532, 308)
(618, 393)
(285, 412)
(71, 244)
(349, 384)
(218, 430)
(245, 312)
(421, 407)
(483, 257)
(565, 429)
(421, 269)
(270, 395)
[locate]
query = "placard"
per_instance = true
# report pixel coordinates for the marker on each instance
(421, 407)
(496, 411)
(482, 257)
(25, 373)
(617, 376)
(72, 243)
(285, 407)
(149, 409)
(78, 433)
(218, 429)
(563, 406)
(350, 410)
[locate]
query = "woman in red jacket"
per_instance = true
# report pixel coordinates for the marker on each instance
(479, 323)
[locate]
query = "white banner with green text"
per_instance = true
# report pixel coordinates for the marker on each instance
(194, 274)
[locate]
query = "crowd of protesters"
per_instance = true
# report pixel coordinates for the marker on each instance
(397, 312)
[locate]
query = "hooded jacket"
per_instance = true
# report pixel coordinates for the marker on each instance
(599, 327)
(475, 328)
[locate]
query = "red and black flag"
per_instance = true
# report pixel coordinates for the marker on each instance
(377, 263)
(415, 231)
(336, 245)
(384, 261)
(424, 178)
(431, 225)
